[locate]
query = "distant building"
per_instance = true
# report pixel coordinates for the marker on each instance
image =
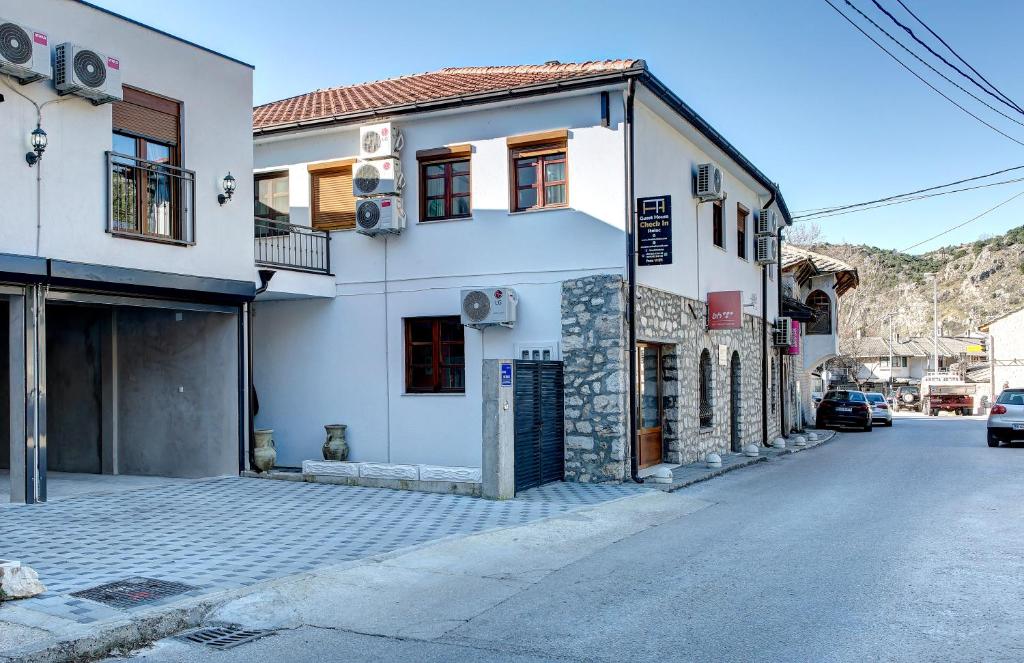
(912, 359)
(1006, 350)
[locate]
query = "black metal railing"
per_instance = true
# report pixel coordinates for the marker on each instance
(150, 200)
(288, 246)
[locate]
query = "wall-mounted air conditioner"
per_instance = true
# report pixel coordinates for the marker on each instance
(489, 306)
(379, 140)
(378, 216)
(765, 250)
(782, 334)
(767, 223)
(86, 73)
(709, 182)
(24, 52)
(377, 177)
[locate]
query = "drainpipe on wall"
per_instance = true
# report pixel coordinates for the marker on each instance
(782, 382)
(265, 276)
(764, 339)
(634, 468)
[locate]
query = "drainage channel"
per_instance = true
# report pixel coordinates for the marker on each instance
(222, 636)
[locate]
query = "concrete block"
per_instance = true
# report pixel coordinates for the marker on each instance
(330, 468)
(445, 473)
(389, 471)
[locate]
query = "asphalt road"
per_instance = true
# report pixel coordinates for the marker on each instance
(901, 544)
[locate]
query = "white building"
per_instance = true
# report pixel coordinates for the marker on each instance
(124, 278)
(1006, 350)
(522, 178)
(912, 358)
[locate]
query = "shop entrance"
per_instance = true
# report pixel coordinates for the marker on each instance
(649, 403)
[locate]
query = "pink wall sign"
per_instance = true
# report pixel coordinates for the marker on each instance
(795, 348)
(725, 310)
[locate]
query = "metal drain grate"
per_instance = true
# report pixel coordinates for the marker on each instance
(133, 592)
(223, 636)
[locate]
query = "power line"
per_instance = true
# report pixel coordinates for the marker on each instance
(961, 225)
(820, 210)
(951, 50)
(909, 200)
(944, 60)
(918, 76)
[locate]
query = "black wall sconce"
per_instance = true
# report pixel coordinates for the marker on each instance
(228, 184)
(38, 139)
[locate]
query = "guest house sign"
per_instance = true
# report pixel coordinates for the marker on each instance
(654, 230)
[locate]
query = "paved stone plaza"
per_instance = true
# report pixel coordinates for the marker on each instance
(225, 533)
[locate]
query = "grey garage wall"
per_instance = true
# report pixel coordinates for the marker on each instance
(177, 392)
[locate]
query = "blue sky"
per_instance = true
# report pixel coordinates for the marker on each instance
(813, 103)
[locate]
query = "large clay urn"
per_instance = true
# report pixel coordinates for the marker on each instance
(335, 447)
(264, 453)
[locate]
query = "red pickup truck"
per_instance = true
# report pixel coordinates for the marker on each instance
(957, 398)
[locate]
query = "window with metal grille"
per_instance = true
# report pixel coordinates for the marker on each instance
(435, 359)
(742, 214)
(821, 323)
(705, 390)
(718, 224)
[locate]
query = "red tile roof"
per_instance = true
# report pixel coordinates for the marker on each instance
(448, 83)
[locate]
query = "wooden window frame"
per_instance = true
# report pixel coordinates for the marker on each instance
(718, 224)
(742, 226)
(437, 362)
(445, 157)
(327, 169)
(272, 175)
(542, 146)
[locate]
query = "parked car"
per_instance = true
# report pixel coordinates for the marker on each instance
(843, 407)
(880, 411)
(906, 398)
(1006, 418)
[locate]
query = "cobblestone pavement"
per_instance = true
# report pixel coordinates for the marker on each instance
(230, 532)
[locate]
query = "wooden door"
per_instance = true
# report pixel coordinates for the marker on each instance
(649, 403)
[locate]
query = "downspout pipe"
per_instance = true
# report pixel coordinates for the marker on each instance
(764, 336)
(265, 276)
(634, 459)
(782, 384)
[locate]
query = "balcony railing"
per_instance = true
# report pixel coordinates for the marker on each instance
(288, 246)
(150, 200)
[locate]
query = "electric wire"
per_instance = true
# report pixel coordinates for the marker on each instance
(961, 225)
(949, 64)
(919, 77)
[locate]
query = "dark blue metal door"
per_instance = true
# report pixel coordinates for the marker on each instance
(539, 423)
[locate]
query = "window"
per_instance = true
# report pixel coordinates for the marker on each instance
(539, 171)
(271, 193)
(897, 362)
(718, 225)
(333, 205)
(742, 214)
(821, 323)
(445, 184)
(148, 191)
(705, 394)
(435, 360)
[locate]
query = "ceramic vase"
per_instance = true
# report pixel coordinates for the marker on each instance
(335, 447)
(264, 453)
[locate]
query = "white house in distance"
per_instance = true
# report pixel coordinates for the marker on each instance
(813, 284)
(913, 358)
(521, 182)
(123, 279)
(1006, 350)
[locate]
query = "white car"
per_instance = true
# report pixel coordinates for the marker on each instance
(880, 412)
(1006, 418)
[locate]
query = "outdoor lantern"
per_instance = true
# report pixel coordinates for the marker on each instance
(228, 183)
(38, 140)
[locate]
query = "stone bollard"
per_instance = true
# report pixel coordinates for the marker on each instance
(799, 441)
(660, 475)
(779, 443)
(713, 460)
(813, 437)
(751, 450)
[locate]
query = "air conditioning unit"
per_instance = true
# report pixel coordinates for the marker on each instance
(376, 178)
(709, 182)
(379, 216)
(765, 250)
(489, 306)
(24, 52)
(782, 335)
(379, 140)
(767, 222)
(86, 73)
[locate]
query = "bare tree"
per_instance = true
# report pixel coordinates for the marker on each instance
(804, 233)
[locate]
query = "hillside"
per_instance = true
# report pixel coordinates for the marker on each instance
(977, 281)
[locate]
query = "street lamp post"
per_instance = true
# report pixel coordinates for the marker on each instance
(935, 319)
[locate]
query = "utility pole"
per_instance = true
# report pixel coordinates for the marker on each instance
(890, 316)
(935, 319)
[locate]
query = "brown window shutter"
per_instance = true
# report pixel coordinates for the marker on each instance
(147, 115)
(334, 206)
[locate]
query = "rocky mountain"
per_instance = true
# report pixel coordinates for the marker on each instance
(976, 282)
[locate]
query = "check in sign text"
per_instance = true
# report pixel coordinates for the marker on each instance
(654, 230)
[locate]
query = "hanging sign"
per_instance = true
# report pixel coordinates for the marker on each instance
(795, 348)
(654, 230)
(725, 310)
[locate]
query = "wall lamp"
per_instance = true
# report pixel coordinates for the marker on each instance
(38, 138)
(228, 184)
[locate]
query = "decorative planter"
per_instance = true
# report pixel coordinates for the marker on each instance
(264, 453)
(335, 447)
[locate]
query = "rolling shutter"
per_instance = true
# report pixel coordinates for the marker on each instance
(334, 206)
(147, 115)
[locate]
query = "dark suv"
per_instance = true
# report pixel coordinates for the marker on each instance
(906, 398)
(844, 408)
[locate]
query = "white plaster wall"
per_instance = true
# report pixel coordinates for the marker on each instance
(666, 160)
(216, 138)
(1008, 343)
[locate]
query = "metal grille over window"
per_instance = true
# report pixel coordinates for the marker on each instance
(821, 323)
(705, 386)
